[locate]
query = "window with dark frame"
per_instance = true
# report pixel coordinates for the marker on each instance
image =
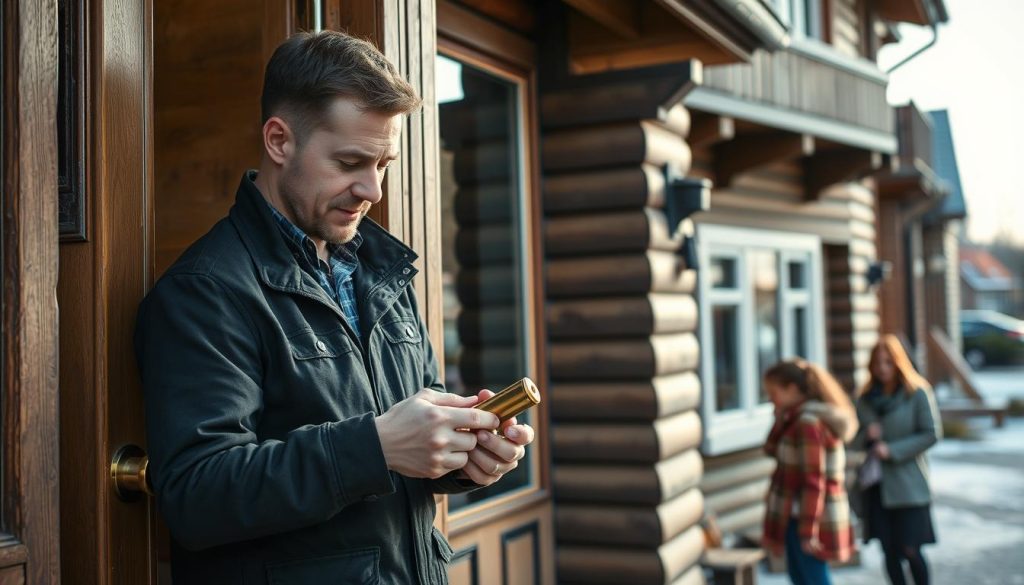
(484, 261)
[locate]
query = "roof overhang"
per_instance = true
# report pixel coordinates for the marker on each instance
(923, 12)
(611, 35)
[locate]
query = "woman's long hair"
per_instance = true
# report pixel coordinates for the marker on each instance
(812, 381)
(906, 375)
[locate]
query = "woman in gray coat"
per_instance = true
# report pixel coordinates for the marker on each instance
(898, 423)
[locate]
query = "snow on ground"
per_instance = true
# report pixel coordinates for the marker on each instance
(979, 504)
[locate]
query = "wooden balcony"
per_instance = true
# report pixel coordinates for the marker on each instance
(804, 89)
(914, 130)
(912, 175)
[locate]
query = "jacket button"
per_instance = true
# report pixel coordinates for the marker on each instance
(409, 331)
(321, 346)
(406, 270)
(401, 282)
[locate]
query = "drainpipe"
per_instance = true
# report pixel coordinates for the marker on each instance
(928, 45)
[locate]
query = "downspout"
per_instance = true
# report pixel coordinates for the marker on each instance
(933, 23)
(925, 47)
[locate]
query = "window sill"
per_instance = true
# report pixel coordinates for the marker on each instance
(735, 431)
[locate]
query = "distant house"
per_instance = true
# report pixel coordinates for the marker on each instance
(986, 283)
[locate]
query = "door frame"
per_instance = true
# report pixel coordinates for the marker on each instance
(453, 42)
(29, 530)
(101, 282)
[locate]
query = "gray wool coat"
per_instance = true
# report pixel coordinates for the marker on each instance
(910, 426)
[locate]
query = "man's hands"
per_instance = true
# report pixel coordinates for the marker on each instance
(419, 437)
(494, 455)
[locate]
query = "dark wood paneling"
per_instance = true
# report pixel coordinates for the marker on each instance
(71, 129)
(29, 550)
(12, 576)
(206, 119)
(515, 566)
(464, 568)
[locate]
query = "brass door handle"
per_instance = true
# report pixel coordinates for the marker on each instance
(128, 469)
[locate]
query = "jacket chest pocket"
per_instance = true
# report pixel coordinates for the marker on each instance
(400, 353)
(359, 567)
(325, 368)
(310, 346)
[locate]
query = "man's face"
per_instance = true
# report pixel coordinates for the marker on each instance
(329, 181)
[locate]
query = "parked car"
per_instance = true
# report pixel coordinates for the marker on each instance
(991, 338)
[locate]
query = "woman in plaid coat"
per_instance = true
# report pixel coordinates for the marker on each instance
(808, 515)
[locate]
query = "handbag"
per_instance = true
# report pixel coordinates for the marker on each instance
(870, 472)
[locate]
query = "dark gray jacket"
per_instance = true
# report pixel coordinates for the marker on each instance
(910, 426)
(260, 405)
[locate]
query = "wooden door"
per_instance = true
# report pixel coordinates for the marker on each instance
(168, 97)
(29, 548)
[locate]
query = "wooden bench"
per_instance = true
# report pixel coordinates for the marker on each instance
(733, 566)
(967, 409)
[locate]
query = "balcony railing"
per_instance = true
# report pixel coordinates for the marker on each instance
(811, 80)
(914, 129)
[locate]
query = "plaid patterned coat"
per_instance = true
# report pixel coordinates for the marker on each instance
(808, 483)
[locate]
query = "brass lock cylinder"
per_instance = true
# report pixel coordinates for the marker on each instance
(513, 400)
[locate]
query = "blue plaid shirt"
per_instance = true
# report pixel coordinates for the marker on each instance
(334, 277)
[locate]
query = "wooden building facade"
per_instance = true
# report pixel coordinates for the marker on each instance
(534, 186)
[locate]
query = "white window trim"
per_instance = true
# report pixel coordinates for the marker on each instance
(794, 14)
(748, 425)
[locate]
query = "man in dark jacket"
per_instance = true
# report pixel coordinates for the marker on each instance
(298, 430)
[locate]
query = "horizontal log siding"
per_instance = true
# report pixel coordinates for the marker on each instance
(847, 27)
(623, 348)
(734, 487)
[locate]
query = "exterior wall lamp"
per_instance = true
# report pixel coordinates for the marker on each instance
(878, 272)
(685, 196)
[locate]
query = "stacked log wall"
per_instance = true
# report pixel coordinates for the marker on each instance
(622, 321)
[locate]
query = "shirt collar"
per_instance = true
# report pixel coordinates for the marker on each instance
(342, 256)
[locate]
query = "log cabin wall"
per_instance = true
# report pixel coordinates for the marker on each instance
(623, 354)
(843, 218)
(847, 27)
(941, 250)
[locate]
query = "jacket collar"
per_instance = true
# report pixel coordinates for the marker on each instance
(385, 263)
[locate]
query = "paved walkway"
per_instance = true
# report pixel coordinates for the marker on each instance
(979, 504)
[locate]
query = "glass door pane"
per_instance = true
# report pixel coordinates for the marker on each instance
(484, 233)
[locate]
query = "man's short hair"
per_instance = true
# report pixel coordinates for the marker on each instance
(309, 70)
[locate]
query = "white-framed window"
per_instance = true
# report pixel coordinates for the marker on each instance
(760, 298)
(803, 17)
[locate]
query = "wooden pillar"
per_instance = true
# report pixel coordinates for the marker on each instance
(405, 31)
(622, 322)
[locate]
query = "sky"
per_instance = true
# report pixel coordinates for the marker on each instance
(975, 70)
